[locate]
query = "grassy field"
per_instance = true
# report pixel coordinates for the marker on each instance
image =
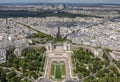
(63, 69)
(58, 71)
(52, 69)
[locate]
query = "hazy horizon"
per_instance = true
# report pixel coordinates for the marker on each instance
(63, 1)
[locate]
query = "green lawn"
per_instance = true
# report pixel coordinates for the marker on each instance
(58, 72)
(52, 69)
(63, 69)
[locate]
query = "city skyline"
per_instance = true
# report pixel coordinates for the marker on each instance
(61, 1)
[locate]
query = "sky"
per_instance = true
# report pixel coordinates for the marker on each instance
(61, 1)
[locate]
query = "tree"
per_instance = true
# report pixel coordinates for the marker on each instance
(16, 79)
(24, 67)
(106, 70)
(102, 80)
(2, 76)
(11, 74)
(100, 73)
(114, 70)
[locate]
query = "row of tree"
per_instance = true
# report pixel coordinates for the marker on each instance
(92, 69)
(30, 64)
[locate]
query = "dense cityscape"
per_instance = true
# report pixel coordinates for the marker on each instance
(60, 43)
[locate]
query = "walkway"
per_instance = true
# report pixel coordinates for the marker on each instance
(51, 59)
(111, 61)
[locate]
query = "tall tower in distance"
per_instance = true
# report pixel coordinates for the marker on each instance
(7, 26)
(58, 34)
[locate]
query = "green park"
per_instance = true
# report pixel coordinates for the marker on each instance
(58, 71)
